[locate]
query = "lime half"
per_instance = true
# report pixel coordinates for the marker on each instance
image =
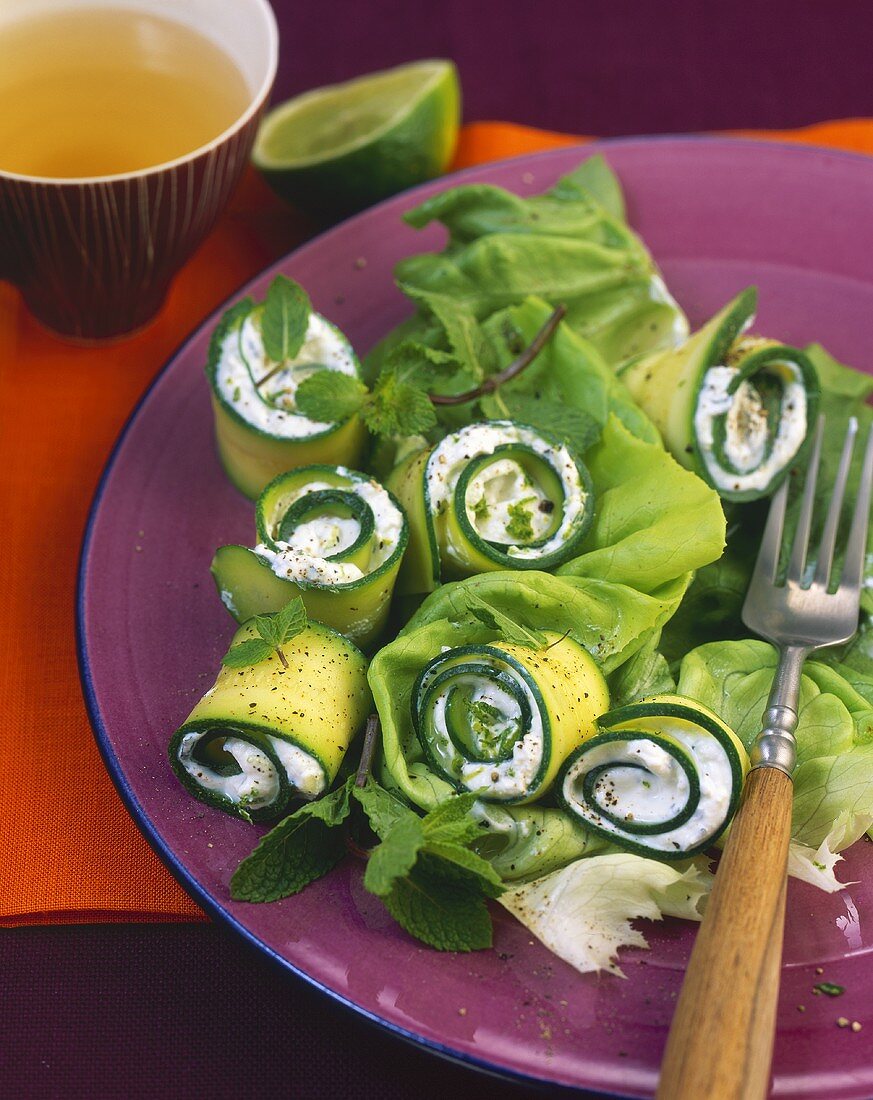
(340, 148)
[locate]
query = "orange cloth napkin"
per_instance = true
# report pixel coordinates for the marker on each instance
(71, 853)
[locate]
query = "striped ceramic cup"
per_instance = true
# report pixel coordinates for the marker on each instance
(94, 257)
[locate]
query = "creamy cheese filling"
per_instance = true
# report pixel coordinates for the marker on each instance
(270, 406)
(294, 565)
(305, 556)
(256, 784)
(643, 783)
(747, 428)
(304, 772)
(503, 779)
(495, 496)
(504, 487)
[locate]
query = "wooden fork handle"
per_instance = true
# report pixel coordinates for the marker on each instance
(721, 1040)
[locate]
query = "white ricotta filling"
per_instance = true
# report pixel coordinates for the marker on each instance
(643, 783)
(304, 556)
(270, 407)
(257, 783)
(746, 428)
(294, 565)
(325, 535)
(304, 772)
(491, 494)
(504, 484)
(506, 779)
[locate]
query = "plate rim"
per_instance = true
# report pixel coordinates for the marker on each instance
(112, 763)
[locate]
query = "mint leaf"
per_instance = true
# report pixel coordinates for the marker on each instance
(299, 850)
(291, 620)
(431, 360)
(285, 319)
(382, 808)
(247, 653)
(266, 627)
(439, 910)
(398, 404)
(395, 856)
(513, 632)
(464, 334)
(275, 629)
(466, 867)
(451, 821)
(330, 396)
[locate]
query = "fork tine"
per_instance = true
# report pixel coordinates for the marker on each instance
(856, 548)
(829, 535)
(768, 555)
(804, 523)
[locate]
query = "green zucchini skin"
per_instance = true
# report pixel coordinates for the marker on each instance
(444, 544)
(247, 584)
(555, 692)
(669, 385)
(252, 457)
(317, 706)
(676, 726)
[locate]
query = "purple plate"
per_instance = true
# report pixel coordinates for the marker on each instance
(718, 215)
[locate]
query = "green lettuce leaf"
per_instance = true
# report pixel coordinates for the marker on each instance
(834, 733)
(570, 245)
(583, 912)
(646, 673)
(653, 520)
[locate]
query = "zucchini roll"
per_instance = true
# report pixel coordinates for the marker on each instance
(494, 495)
(331, 535)
(734, 408)
(265, 734)
(661, 777)
(500, 719)
(257, 427)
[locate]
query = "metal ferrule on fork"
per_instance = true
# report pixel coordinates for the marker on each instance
(775, 746)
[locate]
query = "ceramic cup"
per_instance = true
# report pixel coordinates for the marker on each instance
(94, 257)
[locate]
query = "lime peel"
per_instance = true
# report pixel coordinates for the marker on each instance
(344, 146)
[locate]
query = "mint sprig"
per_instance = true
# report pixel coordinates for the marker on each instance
(398, 404)
(285, 319)
(274, 630)
(427, 876)
(463, 333)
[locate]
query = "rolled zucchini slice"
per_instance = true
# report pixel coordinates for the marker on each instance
(500, 719)
(494, 495)
(258, 430)
(264, 735)
(734, 408)
(661, 777)
(331, 535)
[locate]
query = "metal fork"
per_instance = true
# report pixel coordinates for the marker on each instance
(721, 1039)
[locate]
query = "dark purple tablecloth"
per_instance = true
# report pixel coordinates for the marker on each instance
(187, 1011)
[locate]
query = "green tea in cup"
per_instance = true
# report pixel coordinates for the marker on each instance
(97, 91)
